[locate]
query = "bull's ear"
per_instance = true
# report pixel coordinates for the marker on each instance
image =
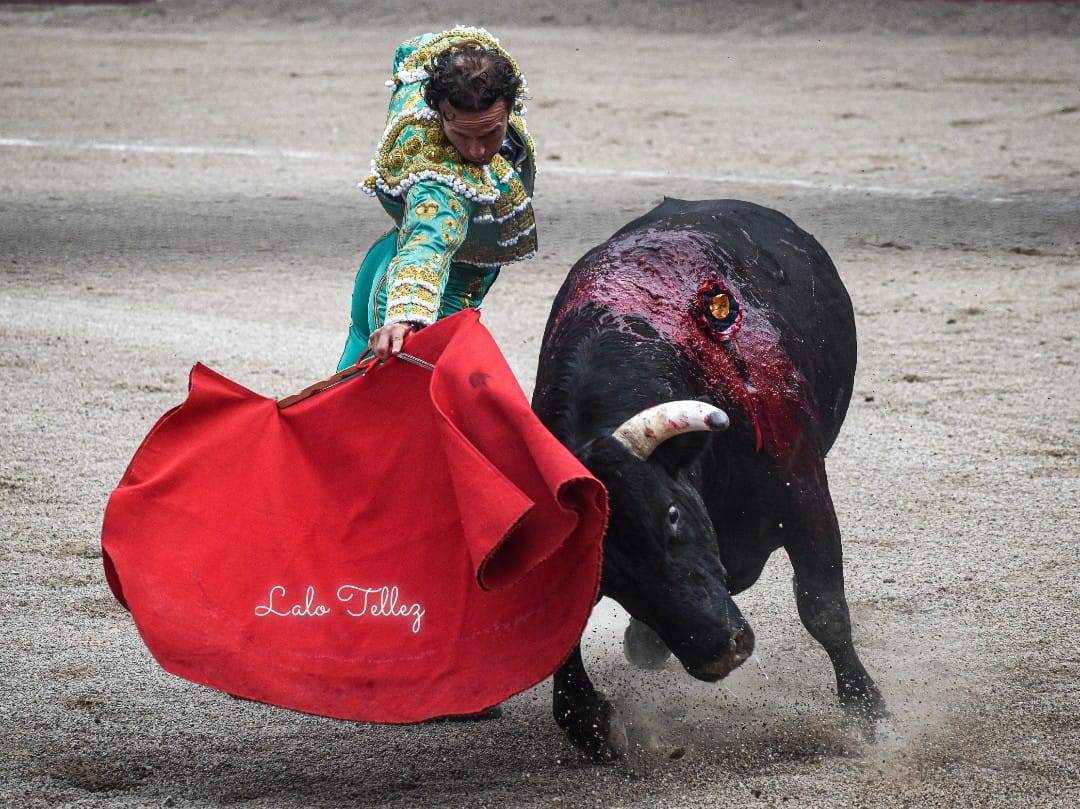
(681, 454)
(600, 453)
(608, 459)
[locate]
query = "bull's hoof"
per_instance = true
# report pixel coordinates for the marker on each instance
(596, 730)
(643, 647)
(862, 700)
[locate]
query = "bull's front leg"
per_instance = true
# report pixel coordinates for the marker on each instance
(817, 561)
(824, 613)
(587, 717)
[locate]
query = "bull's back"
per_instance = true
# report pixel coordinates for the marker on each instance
(797, 320)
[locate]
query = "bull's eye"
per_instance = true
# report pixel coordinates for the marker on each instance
(673, 516)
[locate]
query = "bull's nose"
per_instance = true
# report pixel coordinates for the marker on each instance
(744, 643)
(742, 646)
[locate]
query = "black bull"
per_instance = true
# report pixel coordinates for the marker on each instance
(730, 304)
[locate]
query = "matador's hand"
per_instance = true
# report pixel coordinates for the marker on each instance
(386, 341)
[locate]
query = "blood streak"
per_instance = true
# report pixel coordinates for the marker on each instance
(655, 275)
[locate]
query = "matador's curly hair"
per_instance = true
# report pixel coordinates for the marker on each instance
(471, 78)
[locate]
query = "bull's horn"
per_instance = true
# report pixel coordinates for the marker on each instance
(643, 433)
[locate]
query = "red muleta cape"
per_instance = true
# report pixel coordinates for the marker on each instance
(407, 544)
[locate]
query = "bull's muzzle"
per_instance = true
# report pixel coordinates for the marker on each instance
(742, 646)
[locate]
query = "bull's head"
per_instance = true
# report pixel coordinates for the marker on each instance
(661, 554)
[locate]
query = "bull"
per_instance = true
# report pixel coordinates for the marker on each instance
(700, 363)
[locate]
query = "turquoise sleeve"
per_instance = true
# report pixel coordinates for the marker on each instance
(435, 223)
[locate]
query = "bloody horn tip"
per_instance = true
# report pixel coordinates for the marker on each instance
(645, 431)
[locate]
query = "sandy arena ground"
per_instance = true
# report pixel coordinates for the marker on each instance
(178, 184)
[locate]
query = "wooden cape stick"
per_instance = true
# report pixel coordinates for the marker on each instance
(360, 367)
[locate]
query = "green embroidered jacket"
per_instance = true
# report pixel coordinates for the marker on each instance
(453, 216)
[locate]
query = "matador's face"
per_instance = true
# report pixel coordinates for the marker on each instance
(476, 135)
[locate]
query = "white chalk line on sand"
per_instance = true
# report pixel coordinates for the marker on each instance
(781, 182)
(143, 148)
(548, 168)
